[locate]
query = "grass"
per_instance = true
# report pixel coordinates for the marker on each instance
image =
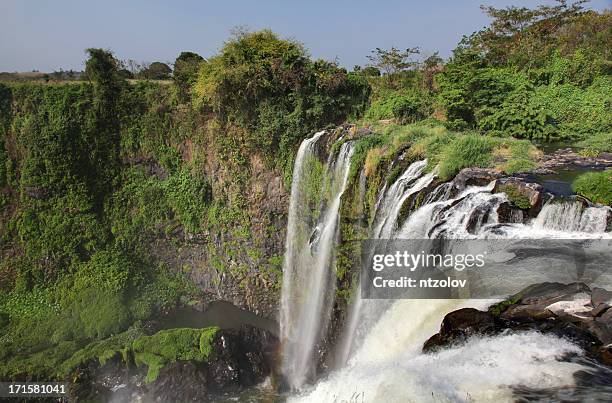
(596, 144)
(595, 186)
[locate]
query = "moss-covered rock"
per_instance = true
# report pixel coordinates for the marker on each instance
(166, 346)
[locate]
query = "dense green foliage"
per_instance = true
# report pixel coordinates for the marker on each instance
(540, 73)
(270, 88)
(595, 186)
(537, 74)
(98, 176)
(185, 72)
(75, 265)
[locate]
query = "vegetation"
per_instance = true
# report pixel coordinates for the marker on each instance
(269, 87)
(595, 186)
(103, 180)
(168, 346)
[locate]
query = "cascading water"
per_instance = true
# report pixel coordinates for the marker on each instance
(381, 346)
(307, 269)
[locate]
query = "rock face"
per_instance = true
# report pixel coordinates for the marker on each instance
(240, 358)
(572, 311)
(524, 195)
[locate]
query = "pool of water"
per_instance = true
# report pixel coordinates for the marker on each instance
(560, 183)
(218, 313)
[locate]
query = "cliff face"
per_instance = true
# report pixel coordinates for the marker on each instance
(157, 186)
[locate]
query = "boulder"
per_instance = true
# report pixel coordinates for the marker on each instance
(457, 326)
(571, 311)
(474, 177)
(521, 194)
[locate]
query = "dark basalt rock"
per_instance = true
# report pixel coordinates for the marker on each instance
(474, 177)
(572, 311)
(180, 382)
(457, 326)
(507, 213)
(239, 359)
(527, 196)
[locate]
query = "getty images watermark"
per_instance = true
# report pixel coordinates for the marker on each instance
(445, 268)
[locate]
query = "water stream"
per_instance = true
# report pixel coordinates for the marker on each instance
(380, 349)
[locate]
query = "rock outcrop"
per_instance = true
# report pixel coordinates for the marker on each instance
(239, 359)
(573, 311)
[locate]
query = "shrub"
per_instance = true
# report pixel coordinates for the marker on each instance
(272, 90)
(406, 108)
(595, 186)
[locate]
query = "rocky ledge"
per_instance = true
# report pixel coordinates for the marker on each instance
(572, 311)
(238, 359)
(565, 158)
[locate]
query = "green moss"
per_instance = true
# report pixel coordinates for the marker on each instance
(103, 350)
(171, 345)
(595, 186)
(515, 196)
(499, 308)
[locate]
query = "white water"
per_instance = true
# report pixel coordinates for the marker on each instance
(411, 182)
(382, 343)
(307, 269)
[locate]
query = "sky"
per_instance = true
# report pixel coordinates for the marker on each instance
(49, 35)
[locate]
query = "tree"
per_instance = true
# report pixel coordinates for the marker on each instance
(524, 36)
(431, 65)
(156, 71)
(394, 60)
(185, 72)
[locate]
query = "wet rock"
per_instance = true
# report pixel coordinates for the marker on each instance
(522, 194)
(180, 381)
(507, 213)
(474, 177)
(457, 326)
(568, 158)
(599, 296)
(571, 311)
(239, 358)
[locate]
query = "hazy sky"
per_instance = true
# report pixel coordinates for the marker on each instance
(49, 35)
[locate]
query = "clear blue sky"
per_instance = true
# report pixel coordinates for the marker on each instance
(48, 35)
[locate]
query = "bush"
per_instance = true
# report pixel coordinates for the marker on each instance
(595, 186)
(270, 88)
(406, 108)
(517, 117)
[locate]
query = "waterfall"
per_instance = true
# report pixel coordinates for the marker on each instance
(307, 294)
(380, 348)
(572, 216)
(411, 182)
